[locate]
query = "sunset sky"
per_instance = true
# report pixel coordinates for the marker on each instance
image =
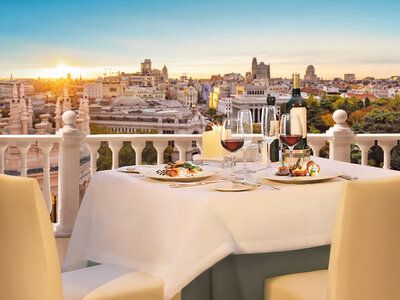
(199, 38)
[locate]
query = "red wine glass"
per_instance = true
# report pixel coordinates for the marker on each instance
(291, 132)
(232, 137)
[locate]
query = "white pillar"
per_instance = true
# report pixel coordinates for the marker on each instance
(160, 147)
(341, 137)
(183, 147)
(68, 173)
(386, 147)
(364, 147)
(115, 146)
(46, 147)
(138, 146)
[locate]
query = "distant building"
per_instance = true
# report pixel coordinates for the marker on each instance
(214, 97)
(130, 113)
(225, 106)
(252, 97)
(157, 77)
(146, 67)
(93, 90)
(114, 86)
(260, 70)
(310, 74)
(188, 96)
(164, 73)
(349, 77)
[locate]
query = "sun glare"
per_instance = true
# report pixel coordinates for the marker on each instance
(61, 70)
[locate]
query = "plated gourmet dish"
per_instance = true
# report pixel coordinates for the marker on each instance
(310, 169)
(179, 169)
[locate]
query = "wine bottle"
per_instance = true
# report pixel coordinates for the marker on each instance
(274, 148)
(298, 106)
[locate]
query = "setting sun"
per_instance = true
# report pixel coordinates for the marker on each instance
(61, 70)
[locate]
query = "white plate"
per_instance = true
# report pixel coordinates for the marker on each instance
(231, 187)
(323, 175)
(208, 171)
(132, 170)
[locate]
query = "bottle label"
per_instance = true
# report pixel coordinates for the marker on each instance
(302, 113)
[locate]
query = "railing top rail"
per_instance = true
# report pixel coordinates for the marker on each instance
(30, 137)
(149, 137)
(377, 135)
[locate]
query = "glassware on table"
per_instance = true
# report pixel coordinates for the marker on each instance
(232, 138)
(269, 128)
(291, 132)
(247, 122)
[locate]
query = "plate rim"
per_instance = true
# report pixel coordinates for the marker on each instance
(199, 177)
(299, 179)
(215, 185)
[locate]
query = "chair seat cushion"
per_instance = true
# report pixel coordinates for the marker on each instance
(106, 282)
(300, 286)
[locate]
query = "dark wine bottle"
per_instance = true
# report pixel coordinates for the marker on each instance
(298, 106)
(275, 144)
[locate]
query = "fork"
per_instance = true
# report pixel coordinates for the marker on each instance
(250, 180)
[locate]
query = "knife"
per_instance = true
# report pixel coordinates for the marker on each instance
(348, 177)
(197, 183)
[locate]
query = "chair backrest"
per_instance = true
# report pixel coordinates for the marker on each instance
(365, 255)
(29, 266)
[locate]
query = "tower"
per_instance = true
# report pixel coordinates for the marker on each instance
(66, 100)
(24, 115)
(253, 66)
(146, 67)
(86, 120)
(30, 113)
(164, 73)
(22, 90)
(15, 92)
(57, 118)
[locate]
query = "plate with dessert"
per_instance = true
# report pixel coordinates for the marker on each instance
(181, 172)
(307, 173)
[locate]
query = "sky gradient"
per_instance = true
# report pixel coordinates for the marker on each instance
(200, 38)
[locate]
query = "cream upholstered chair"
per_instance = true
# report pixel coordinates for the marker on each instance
(29, 265)
(364, 262)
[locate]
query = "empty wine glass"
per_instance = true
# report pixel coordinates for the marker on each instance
(291, 132)
(247, 122)
(269, 128)
(232, 138)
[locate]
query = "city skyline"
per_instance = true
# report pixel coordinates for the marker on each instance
(200, 39)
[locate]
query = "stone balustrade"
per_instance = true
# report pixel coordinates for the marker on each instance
(71, 141)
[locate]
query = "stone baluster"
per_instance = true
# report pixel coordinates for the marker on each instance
(364, 147)
(93, 147)
(386, 147)
(23, 147)
(3, 147)
(340, 137)
(138, 146)
(115, 146)
(68, 174)
(46, 147)
(183, 147)
(160, 147)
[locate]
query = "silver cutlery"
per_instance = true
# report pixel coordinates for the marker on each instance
(251, 180)
(197, 183)
(272, 187)
(348, 177)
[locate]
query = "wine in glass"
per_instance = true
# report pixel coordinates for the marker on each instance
(291, 132)
(232, 138)
(269, 128)
(247, 121)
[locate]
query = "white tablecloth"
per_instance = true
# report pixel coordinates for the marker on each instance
(178, 233)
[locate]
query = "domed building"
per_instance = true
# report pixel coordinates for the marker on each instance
(130, 113)
(310, 74)
(128, 100)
